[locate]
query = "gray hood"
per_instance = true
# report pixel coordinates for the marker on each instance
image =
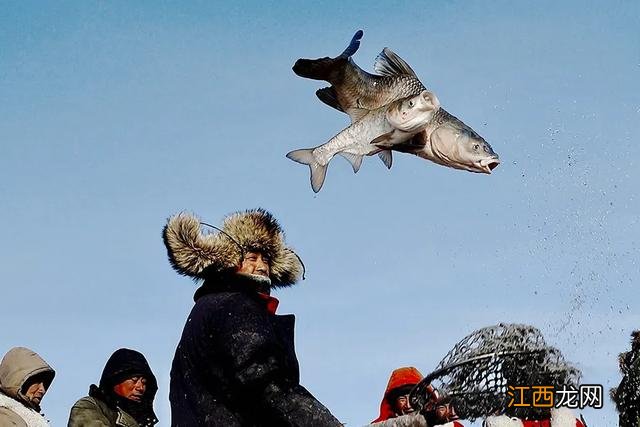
(17, 366)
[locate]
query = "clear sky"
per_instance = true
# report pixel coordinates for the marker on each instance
(116, 115)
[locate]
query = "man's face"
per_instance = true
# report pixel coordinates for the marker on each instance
(255, 263)
(35, 392)
(402, 406)
(446, 412)
(132, 388)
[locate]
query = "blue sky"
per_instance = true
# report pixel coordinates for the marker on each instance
(116, 115)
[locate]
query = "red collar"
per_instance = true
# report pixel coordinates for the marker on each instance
(270, 302)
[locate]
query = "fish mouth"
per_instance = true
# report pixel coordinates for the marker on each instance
(488, 165)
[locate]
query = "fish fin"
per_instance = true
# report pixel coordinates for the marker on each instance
(389, 64)
(354, 159)
(329, 97)
(412, 145)
(357, 114)
(382, 140)
(318, 171)
(353, 45)
(318, 174)
(386, 157)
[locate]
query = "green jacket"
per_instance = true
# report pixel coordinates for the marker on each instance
(92, 412)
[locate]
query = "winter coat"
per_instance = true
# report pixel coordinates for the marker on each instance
(627, 395)
(236, 365)
(93, 412)
(104, 408)
(17, 367)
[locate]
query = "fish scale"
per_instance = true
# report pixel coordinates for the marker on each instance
(358, 136)
(361, 95)
(392, 123)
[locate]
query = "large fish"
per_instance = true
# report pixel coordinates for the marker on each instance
(447, 141)
(391, 124)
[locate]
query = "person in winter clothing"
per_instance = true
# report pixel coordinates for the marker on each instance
(396, 409)
(626, 395)
(236, 364)
(124, 396)
(560, 417)
(24, 379)
(395, 401)
(441, 413)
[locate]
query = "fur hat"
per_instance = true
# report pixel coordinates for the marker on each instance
(195, 254)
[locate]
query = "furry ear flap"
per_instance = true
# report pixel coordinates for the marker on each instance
(286, 268)
(191, 252)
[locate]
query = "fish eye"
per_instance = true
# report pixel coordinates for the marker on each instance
(410, 103)
(476, 146)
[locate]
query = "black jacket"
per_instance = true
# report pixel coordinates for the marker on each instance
(236, 364)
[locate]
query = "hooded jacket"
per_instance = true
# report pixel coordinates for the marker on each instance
(104, 408)
(406, 377)
(17, 367)
(235, 364)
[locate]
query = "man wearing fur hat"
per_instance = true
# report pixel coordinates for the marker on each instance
(24, 379)
(235, 364)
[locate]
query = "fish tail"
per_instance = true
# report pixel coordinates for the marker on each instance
(321, 68)
(316, 69)
(318, 171)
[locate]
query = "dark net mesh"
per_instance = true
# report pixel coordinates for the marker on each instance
(477, 372)
(627, 395)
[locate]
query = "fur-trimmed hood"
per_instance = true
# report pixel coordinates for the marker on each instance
(196, 254)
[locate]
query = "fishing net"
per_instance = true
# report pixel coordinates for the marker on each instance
(477, 372)
(627, 395)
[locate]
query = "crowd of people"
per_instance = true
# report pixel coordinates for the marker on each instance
(235, 364)
(124, 397)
